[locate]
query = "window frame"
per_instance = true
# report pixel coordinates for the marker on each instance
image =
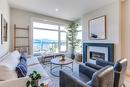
(59, 35)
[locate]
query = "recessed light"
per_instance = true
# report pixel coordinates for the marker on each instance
(57, 9)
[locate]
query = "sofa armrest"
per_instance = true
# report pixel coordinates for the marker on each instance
(69, 80)
(86, 70)
(103, 63)
(18, 82)
(97, 67)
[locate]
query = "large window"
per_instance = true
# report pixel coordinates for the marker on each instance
(49, 38)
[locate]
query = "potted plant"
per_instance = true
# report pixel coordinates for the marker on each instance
(35, 76)
(72, 37)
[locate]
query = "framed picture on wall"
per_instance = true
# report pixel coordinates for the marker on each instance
(97, 28)
(4, 29)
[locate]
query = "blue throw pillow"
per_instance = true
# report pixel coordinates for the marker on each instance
(23, 58)
(21, 68)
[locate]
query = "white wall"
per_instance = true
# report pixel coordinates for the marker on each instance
(23, 18)
(126, 31)
(112, 26)
(5, 11)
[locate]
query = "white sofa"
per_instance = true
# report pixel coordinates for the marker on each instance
(8, 76)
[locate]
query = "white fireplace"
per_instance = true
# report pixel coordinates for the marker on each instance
(95, 52)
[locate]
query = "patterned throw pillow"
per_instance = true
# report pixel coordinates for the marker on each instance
(21, 68)
(22, 58)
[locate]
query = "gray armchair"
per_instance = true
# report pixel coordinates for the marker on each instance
(119, 70)
(88, 77)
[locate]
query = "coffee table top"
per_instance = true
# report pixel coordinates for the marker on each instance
(57, 61)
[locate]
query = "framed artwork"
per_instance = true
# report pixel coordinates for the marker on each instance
(97, 28)
(4, 29)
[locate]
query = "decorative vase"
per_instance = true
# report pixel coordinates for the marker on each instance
(63, 58)
(72, 56)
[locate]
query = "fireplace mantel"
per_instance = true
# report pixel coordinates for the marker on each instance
(110, 47)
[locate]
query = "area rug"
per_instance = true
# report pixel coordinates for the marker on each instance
(54, 79)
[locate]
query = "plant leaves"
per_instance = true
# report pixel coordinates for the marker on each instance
(28, 83)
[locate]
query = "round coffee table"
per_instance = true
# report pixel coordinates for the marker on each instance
(61, 64)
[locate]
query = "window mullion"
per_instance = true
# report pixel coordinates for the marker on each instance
(59, 39)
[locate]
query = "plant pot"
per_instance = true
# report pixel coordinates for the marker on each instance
(45, 85)
(78, 57)
(72, 56)
(36, 83)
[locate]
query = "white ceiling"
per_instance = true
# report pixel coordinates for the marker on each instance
(68, 9)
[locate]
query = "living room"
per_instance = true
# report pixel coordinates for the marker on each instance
(45, 38)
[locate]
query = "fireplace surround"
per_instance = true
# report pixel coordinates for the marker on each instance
(110, 47)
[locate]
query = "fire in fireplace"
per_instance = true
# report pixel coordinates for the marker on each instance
(97, 55)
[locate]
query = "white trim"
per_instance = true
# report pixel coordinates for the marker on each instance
(59, 38)
(49, 29)
(31, 36)
(46, 21)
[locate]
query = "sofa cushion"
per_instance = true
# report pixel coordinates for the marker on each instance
(82, 77)
(103, 78)
(6, 73)
(32, 61)
(4, 57)
(86, 70)
(20, 82)
(103, 63)
(3, 53)
(12, 60)
(97, 67)
(21, 68)
(8, 65)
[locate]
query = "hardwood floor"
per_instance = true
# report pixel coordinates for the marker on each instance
(127, 81)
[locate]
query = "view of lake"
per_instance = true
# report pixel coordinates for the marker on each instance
(47, 45)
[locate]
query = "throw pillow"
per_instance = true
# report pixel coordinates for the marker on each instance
(21, 68)
(24, 59)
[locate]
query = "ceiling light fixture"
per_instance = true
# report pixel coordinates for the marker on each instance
(57, 9)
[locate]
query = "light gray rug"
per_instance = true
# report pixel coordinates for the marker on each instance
(54, 79)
